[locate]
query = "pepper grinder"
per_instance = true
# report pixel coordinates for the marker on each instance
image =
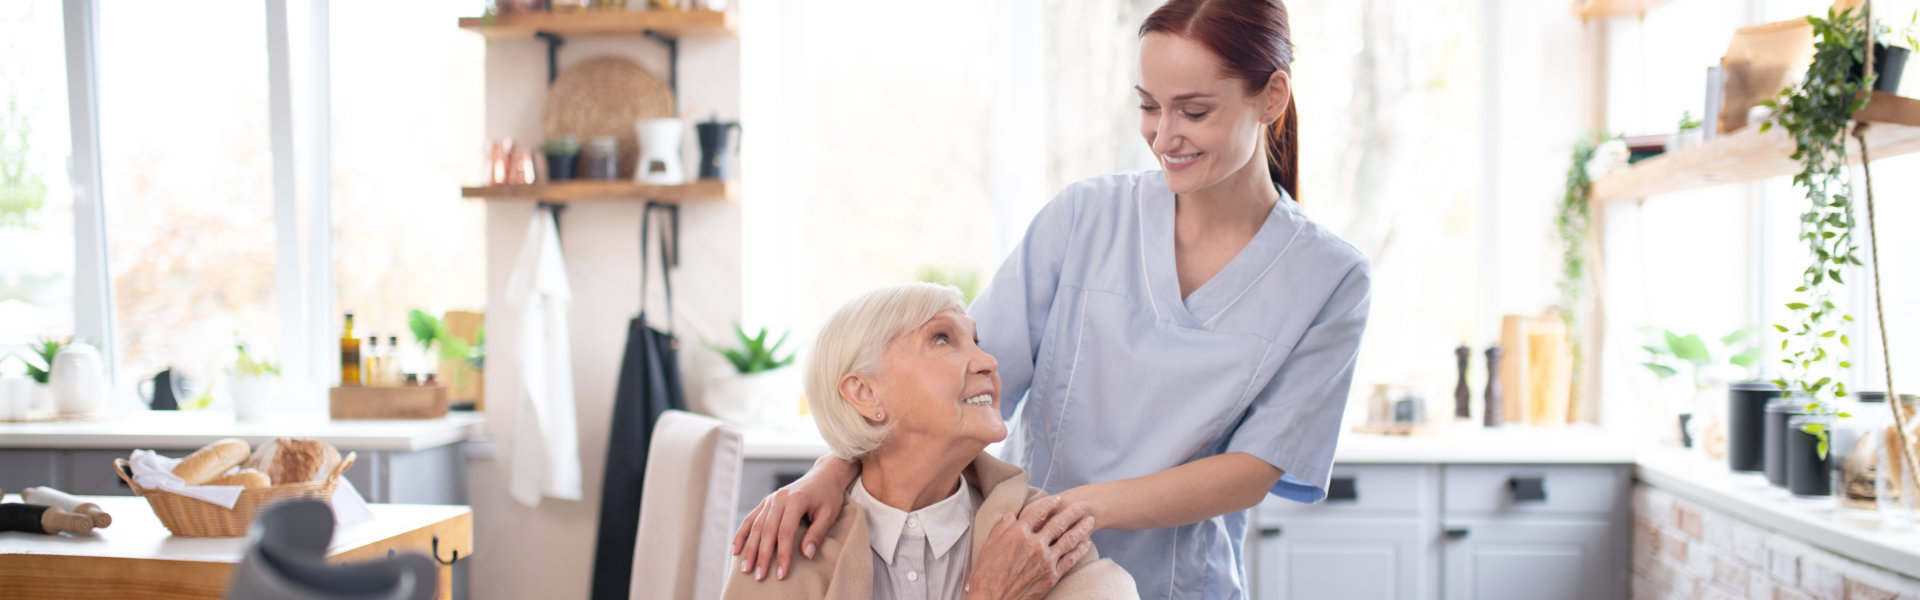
(1492, 409)
(1462, 395)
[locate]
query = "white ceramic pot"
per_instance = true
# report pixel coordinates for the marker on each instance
(41, 399)
(79, 380)
(254, 396)
(766, 398)
(16, 397)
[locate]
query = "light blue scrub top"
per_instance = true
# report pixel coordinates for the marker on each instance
(1122, 378)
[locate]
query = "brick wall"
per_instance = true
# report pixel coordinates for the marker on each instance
(1684, 550)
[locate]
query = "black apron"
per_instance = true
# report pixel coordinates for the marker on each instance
(649, 386)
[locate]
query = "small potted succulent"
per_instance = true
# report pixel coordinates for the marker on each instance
(757, 386)
(255, 384)
(42, 374)
(561, 153)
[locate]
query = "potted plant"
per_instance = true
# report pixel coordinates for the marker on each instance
(756, 387)
(561, 153)
(42, 374)
(1706, 366)
(1888, 59)
(255, 384)
(1687, 135)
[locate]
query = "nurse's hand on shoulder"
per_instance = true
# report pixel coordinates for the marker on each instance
(1024, 558)
(765, 542)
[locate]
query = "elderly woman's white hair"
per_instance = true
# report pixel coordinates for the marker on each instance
(853, 341)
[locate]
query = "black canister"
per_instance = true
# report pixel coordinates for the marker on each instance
(1774, 439)
(1746, 424)
(716, 144)
(1808, 472)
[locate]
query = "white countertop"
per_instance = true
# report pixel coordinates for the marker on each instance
(188, 430)
(1857, 535)
(1452, 445)
(137, 534)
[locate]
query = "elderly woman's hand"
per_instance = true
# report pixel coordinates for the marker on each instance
(767, 535)
(1024, 558)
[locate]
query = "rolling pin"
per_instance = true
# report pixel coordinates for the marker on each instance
(40, 518)
(62, 501)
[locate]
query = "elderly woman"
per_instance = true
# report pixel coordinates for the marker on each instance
(898, 381)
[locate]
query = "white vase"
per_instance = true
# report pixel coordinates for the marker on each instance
(768, 398)
(79, 380)
(254, 396)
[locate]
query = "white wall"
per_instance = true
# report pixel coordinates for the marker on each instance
(547, 552)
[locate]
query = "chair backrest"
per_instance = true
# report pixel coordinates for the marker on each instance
(286, 559)
(687, 508)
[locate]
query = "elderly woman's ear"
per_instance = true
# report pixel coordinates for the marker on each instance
(859, 393)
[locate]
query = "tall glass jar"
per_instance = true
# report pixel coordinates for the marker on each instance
(1860, 464)
(1896, 493)
(600, 159)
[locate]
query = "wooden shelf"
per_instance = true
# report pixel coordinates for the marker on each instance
(1748, 155)
(1596, 9)
(669, 23)
(705, 190)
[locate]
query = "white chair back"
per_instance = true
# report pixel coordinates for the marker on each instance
(687, 508)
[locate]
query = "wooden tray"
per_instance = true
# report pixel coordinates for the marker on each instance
(409, 402)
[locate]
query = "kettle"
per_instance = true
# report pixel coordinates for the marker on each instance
(79, 380)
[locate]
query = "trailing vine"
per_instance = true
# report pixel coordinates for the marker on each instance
(1816, 114)
(1571, 224)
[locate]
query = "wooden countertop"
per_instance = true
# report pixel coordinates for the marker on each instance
(139, 558)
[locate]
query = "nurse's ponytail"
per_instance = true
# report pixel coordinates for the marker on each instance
(1251, 39)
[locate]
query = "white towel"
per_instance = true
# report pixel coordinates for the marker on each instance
(155, 472)
(545, 443)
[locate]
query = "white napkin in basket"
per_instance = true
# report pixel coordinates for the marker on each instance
(155, 472)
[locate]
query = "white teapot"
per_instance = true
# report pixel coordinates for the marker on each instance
(79, 380)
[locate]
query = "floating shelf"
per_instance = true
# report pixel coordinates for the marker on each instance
(1748, 155)
(705, 190)
(1596, 9)
(669, 23)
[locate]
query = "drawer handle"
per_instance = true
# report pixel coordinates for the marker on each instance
(1457, 533)
(1528, 489)
(1341, 489)
(1269, 532)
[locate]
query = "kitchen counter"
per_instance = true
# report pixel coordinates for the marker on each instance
(137, 557)
(189, 430)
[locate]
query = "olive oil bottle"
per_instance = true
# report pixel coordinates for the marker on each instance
(349, 355)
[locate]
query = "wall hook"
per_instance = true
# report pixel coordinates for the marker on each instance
(436, 553)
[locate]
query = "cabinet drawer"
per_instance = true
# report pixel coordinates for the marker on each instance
(1368, 488)
(90, 472)
(1535, 488)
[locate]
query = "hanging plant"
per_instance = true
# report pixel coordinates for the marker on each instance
(1816, 114)
(1571, 223)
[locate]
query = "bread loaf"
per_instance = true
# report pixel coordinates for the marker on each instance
(295, 460)
(211, 461)
(247, 478)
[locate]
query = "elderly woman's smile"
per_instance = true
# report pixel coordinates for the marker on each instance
(935, 385)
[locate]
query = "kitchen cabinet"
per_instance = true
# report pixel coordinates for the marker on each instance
(1448, 532)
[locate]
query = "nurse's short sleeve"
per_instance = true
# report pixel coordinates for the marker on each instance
(1294, 422)
(1011, 314)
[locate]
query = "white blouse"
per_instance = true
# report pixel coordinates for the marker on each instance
(924, 554)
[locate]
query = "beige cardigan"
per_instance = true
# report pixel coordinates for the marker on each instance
(843, 568)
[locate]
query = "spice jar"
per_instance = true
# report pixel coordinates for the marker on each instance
(600, 159)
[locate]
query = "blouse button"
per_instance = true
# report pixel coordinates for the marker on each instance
(913, 576)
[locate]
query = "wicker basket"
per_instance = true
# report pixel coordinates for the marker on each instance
(192, 517)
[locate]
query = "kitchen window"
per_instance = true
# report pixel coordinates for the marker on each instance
(36, 201)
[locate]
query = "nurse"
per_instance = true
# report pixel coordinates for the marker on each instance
(1184, 339)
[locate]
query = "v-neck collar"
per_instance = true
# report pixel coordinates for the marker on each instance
(1214, 297)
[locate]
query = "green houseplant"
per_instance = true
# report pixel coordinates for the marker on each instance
(254, 383)
(756, 387)
(561, 153)
(1671, 354)
(1816, 114)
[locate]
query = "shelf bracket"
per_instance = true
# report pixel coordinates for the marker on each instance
(673, 62)
(553, 41)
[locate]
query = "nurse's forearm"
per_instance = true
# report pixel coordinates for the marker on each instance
(1189, 493)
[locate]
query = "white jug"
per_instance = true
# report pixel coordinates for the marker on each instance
(79, 380)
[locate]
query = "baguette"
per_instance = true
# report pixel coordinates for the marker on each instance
(247, 478)
(211, 461)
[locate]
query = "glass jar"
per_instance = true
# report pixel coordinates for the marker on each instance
(600, 159)
(1809, 473)
(1861, 464)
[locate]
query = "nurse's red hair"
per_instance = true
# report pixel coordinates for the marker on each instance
(1251, 39)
